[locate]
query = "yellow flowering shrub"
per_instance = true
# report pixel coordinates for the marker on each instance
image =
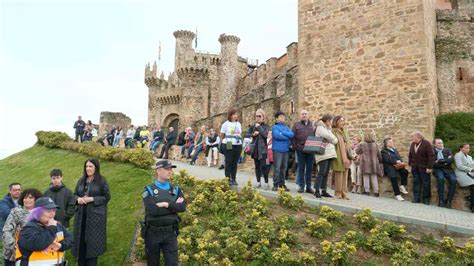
(319, 228)
(286, 200)
(338, 252)
(330, 214)
(365, 219)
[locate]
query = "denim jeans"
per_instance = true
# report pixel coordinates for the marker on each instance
(421, 184)
(322, 177)
(280, 163)
(116, 141)
(305, 168)
(154, 145)
(441, 175)
(196, 152)
(190, 149)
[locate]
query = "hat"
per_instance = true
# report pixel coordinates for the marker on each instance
(45, 202)
(164, 164)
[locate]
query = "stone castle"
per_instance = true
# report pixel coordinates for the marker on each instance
(388, 66)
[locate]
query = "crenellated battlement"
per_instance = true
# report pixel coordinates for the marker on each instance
(184, 34)
(272, 67)
(223, 38)
(191, 72)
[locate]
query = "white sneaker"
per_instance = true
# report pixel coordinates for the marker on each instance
(403, 190)
(259, 185)
(267, 186)
(399, 198)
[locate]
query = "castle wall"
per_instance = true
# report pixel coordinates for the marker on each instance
(455, 60)
(109, 119)
(371, 61)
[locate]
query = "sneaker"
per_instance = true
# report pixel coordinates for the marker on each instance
(399, 198)
(285, 188)
(376, 194)
(267, 186)
(300, 189)
(259, 185)
(403, 190)
(220, 167)
(235, 183)
(317, 194)
(309, 190)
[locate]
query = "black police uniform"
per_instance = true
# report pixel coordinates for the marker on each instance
(161, 224)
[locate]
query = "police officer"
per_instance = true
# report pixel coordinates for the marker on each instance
(162, 202)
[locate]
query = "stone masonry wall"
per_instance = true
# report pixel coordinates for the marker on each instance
(370, 61)
(109, 119)
(455, 60)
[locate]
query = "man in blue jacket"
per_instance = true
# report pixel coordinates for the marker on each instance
(9, 202)
(281, 135)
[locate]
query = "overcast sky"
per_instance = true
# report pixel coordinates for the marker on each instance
(59, 59)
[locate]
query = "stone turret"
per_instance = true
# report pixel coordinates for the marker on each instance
(228, 72)
(184, 49)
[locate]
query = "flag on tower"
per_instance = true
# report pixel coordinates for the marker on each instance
(159, 52)
(196, 39)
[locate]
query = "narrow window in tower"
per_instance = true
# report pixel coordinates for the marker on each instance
(292, 107)
(460, 73)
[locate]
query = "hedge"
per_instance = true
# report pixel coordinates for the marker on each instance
(142, 158)
(456, 129)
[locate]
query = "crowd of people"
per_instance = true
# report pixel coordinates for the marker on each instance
(356, 162)
(35, 224)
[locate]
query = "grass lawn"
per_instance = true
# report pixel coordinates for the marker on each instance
(31, 168)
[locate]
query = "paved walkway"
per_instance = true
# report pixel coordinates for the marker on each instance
(383, 207)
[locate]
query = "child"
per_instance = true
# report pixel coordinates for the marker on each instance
(356, 175)
(62, 196)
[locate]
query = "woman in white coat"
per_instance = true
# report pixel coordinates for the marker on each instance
(465, 170)
(323, 129)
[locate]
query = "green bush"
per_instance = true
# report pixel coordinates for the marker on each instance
(53, 139)
(455, 129)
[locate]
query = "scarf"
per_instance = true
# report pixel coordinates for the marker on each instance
(439, 154)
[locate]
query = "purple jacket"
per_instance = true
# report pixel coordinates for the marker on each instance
(302, 132)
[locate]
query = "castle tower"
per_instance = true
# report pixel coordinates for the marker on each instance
(195, 85)
(228, 72)
(184, 49)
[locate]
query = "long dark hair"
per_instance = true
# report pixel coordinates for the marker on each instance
(97, 176)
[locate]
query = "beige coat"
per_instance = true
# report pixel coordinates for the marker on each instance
(464, 165)
(326, 133)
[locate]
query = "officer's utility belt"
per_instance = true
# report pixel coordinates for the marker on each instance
(169, 228)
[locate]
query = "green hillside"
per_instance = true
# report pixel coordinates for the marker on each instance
(31, 168)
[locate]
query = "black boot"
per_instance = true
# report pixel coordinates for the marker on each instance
(441, 203)
(325, 194)
(317, 194)
(447, 204)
